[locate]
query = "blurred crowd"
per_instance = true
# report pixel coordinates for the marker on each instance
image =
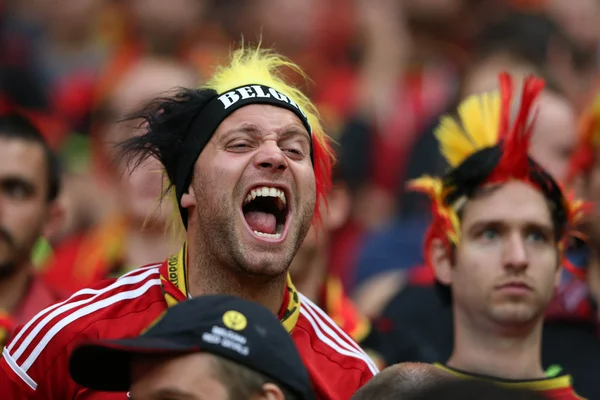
(381, 73)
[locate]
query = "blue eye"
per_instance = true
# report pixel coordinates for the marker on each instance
(536, 237)
(489, 234)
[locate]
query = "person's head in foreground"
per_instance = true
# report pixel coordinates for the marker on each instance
(472, 390)
(402, 381)
(248, 161)
(231, 349)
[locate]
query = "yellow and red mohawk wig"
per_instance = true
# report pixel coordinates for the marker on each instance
(483, 147)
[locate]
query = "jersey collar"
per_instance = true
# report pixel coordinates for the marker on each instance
(559, 382)
(173, 275)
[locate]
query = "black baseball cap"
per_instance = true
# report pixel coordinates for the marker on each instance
(242, 331)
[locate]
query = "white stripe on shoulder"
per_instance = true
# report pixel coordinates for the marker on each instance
(17, 370)
(334, 344)
(326, 318)
(335, 332)
(64, 306)
(120, 296)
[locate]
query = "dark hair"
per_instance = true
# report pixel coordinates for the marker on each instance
(469, 389)
(16, 126)
(401, 381)
(166, 122)
(527, 36)
(242, 382)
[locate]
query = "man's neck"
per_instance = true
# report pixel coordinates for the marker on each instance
(497, 351)
(13, 288)
(310, 277)
(205, 278)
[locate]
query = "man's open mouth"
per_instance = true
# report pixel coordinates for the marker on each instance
(266, 210)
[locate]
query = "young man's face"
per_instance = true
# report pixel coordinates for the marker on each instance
(253, 191)
(505, 267)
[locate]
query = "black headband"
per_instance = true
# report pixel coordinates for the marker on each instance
(208, 119)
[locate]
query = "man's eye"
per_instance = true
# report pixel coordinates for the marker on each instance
(535, 236)
(293, 151)
(239, 146)
(489, 234)
(15, 190)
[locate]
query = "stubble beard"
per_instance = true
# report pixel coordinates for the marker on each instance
(221, 245)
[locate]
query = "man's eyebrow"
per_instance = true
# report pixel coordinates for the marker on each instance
(247, 128)
(501, 222)
(294, 130)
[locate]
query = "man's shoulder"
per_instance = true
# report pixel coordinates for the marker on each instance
(90, 313)
(323, 343)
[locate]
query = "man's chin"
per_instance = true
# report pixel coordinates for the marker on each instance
(515, 313)
(267, 266)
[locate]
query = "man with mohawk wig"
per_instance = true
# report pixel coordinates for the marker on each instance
(247, 161)
(500, 224)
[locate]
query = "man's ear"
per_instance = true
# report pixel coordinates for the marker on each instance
(270, 391)
(188, 199)
(441, 261)
(54, 220)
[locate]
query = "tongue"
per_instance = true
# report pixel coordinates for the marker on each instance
(261, 221)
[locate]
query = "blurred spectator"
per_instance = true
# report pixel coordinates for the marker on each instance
(29, 186)
(130, 227)
(405, 66)
(21, 87)
(402, 381)
(579, 18)
(231, 349)
(66, 53)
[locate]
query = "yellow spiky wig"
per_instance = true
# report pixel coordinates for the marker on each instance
(482, 147)
(256, 66)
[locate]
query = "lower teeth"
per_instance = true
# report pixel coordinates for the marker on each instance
(268, 235)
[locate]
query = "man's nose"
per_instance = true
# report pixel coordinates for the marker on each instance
(270, 157)
(515, 253)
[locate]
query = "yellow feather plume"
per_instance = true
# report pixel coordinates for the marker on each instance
(477, 128)
(446, 216)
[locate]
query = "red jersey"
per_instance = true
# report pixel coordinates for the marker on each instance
(35, 362)
(558, 388)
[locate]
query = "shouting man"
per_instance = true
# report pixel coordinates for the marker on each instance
(248, 162)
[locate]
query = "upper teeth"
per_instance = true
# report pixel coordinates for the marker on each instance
(265, 192)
